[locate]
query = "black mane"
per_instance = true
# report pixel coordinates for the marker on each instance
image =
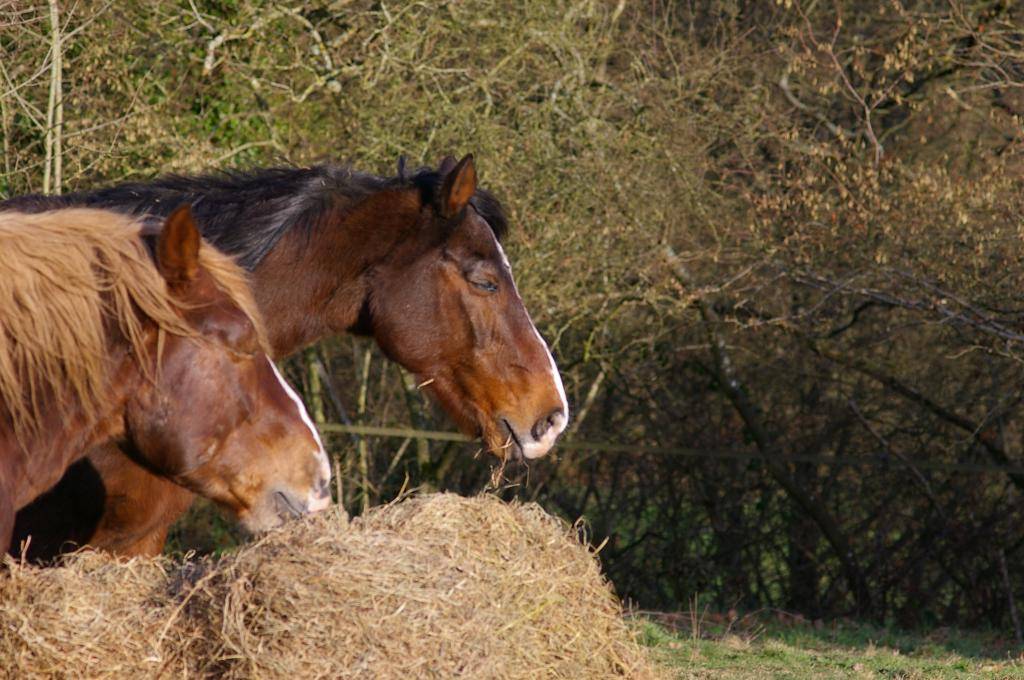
(245, 213)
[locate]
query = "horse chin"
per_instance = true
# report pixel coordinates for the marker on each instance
(260, 520)
(270, 512)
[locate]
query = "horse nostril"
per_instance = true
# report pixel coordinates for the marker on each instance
(541, 427)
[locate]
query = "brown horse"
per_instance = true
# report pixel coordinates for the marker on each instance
(414, 261)
(99, 342)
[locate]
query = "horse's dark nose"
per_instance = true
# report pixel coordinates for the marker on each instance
(542, 426)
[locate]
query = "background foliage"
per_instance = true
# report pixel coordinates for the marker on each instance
(790, 229)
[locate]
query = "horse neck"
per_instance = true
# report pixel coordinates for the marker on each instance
(315, 281)
(31, 465)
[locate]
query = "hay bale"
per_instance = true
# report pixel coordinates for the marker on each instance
(93, 618)
(435, 586)
(438, 586)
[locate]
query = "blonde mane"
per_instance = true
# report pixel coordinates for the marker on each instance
(68, 280)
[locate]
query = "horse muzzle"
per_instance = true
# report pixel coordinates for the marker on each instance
(527, 443)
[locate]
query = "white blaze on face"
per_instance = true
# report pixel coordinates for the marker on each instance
(531, 448)
(536, 449)
(316, 502)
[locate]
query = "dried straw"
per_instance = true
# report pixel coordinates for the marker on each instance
(95, 618)
(435, 586)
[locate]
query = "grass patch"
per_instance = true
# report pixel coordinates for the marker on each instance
(778, 645)
(203, 530)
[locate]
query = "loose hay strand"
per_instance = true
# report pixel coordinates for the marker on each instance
(433, 586)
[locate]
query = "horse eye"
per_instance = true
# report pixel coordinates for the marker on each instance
(488, 286)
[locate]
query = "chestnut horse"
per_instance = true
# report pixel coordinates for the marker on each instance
(99, 343)
(415, 261)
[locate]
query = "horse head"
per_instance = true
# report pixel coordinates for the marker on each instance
(443, 303)
(217, 417)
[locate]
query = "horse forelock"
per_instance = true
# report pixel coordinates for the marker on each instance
(233, 280)
(69, 278)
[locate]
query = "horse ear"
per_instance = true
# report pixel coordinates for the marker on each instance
(401, 168)
(458, 187)
(447, 163)
(177, 248)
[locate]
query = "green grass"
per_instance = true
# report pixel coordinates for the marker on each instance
(203, 530)
(781, 646)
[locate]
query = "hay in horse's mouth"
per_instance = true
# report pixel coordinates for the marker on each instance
(518, 454)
